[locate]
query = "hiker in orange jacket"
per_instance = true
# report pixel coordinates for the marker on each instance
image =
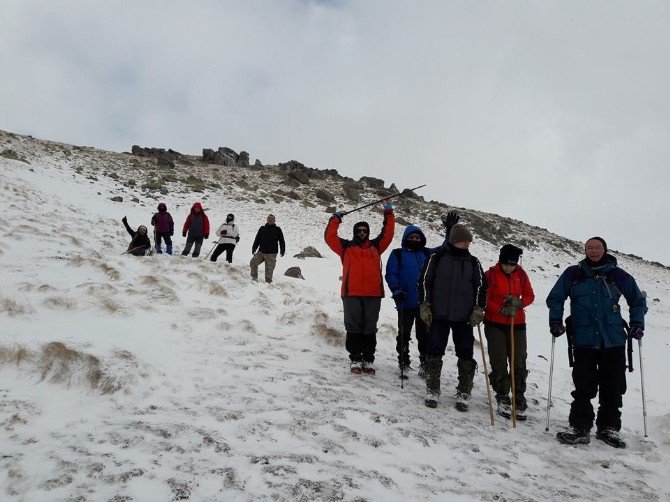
(362, 284)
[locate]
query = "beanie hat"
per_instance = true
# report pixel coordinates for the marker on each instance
(459, 234)
(230, 217)
(162, 206)
(602, 241)
(509, 254)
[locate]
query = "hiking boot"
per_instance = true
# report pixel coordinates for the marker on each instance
(466, 375)
(368, 368)
(611, 437)
(431, 400)
(422, 371)
(356, 367)
(574, 436)
(462, 401)
(521, 415)
(504, 409)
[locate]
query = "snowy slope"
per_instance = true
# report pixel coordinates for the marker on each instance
(167, 378)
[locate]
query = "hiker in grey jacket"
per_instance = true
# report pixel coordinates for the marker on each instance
(452, 294)
(229, 236)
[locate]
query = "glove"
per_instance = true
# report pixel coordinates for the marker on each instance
(508, 311)
(512, 301)
(124, 220)
(636, 332)
(339, 214)
(450, 219)
(282, 254)
(183, 234)
(399, 296)
(171, 234)
(206, 236)
(477, 316)
(388, 205)
(556, 328)
(223, 232)
(426, 314)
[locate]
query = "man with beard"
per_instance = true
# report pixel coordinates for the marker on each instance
(362, 285)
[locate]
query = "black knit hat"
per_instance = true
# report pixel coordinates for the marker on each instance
(459, 234)
(602, 241)
(509, 254)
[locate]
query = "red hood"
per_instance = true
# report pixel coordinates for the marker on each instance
(197, 205)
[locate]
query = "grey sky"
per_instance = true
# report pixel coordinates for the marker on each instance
(555, 113)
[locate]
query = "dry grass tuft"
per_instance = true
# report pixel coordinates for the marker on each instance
(60, 303)
(216, 289)
(13, 308)
(331, 335)
(58, 363)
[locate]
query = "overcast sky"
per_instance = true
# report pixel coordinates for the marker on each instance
(554, 113)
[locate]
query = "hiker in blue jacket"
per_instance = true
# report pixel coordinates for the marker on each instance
(599, 338)
(402, 272)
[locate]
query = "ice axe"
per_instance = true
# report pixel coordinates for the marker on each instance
(406, 190)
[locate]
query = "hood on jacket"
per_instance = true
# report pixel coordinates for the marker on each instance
(413, 229)
(197, 205)
(146, 232)
(230, 218)
(162, 207)
(606, 263)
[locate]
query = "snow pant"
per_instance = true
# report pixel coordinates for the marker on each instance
(189, 242)
(168, 242)
(361, 314)
(603, 372)
(228, 248)
(500, 350)
(438, 336)
(270, 263)
(406, 319)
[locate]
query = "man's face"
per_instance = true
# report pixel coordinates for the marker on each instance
(508, 269)
(413, 237)
(196, 209)
(594, 250)
(462, 245)
(271, 219)
(362, 233)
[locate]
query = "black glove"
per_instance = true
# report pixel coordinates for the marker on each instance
(451, 218)
(281, 254)
(124, 220)
(171, 234)
(206, 236)
(636, 332)
(183, 234)
(556, 328)
(399, 296)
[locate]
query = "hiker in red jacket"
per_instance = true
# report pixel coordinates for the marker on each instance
(362, 285)
(197, 226)
(509, 293)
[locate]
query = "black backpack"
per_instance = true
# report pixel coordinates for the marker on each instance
(397, 252)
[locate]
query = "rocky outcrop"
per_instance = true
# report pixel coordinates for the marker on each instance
(164, 157)
(225, 156)
(308, 252)
(294, 272)
(371, 182)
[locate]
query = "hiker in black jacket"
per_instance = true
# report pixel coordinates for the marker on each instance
(269, 240)
(140, 243)
(452, 294)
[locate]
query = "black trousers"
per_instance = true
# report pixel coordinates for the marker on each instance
(189, 243)
(438, 337)
(602, 372)
(228, 248)
(361, 314)
(406, 319)
(165, 236)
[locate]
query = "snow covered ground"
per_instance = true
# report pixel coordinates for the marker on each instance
(169, 378)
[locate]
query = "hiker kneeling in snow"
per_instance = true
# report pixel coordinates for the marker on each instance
(140, 245)
(362, 285)
(595, 287)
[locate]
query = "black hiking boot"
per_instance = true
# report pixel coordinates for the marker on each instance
(504, 409)
(611, 437)
(574, 436)
(462, 401)
(431, 399)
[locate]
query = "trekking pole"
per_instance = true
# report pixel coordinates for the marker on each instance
(644, 400)
(134, 249)
(551, 374)
(401, 328)
(486, 374)
(210, 251)
(511, 370)
(406, 190)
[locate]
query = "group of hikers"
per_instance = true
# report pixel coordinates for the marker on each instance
(444, 289)
(268, 243)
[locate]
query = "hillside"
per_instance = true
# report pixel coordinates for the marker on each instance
(170, 378)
